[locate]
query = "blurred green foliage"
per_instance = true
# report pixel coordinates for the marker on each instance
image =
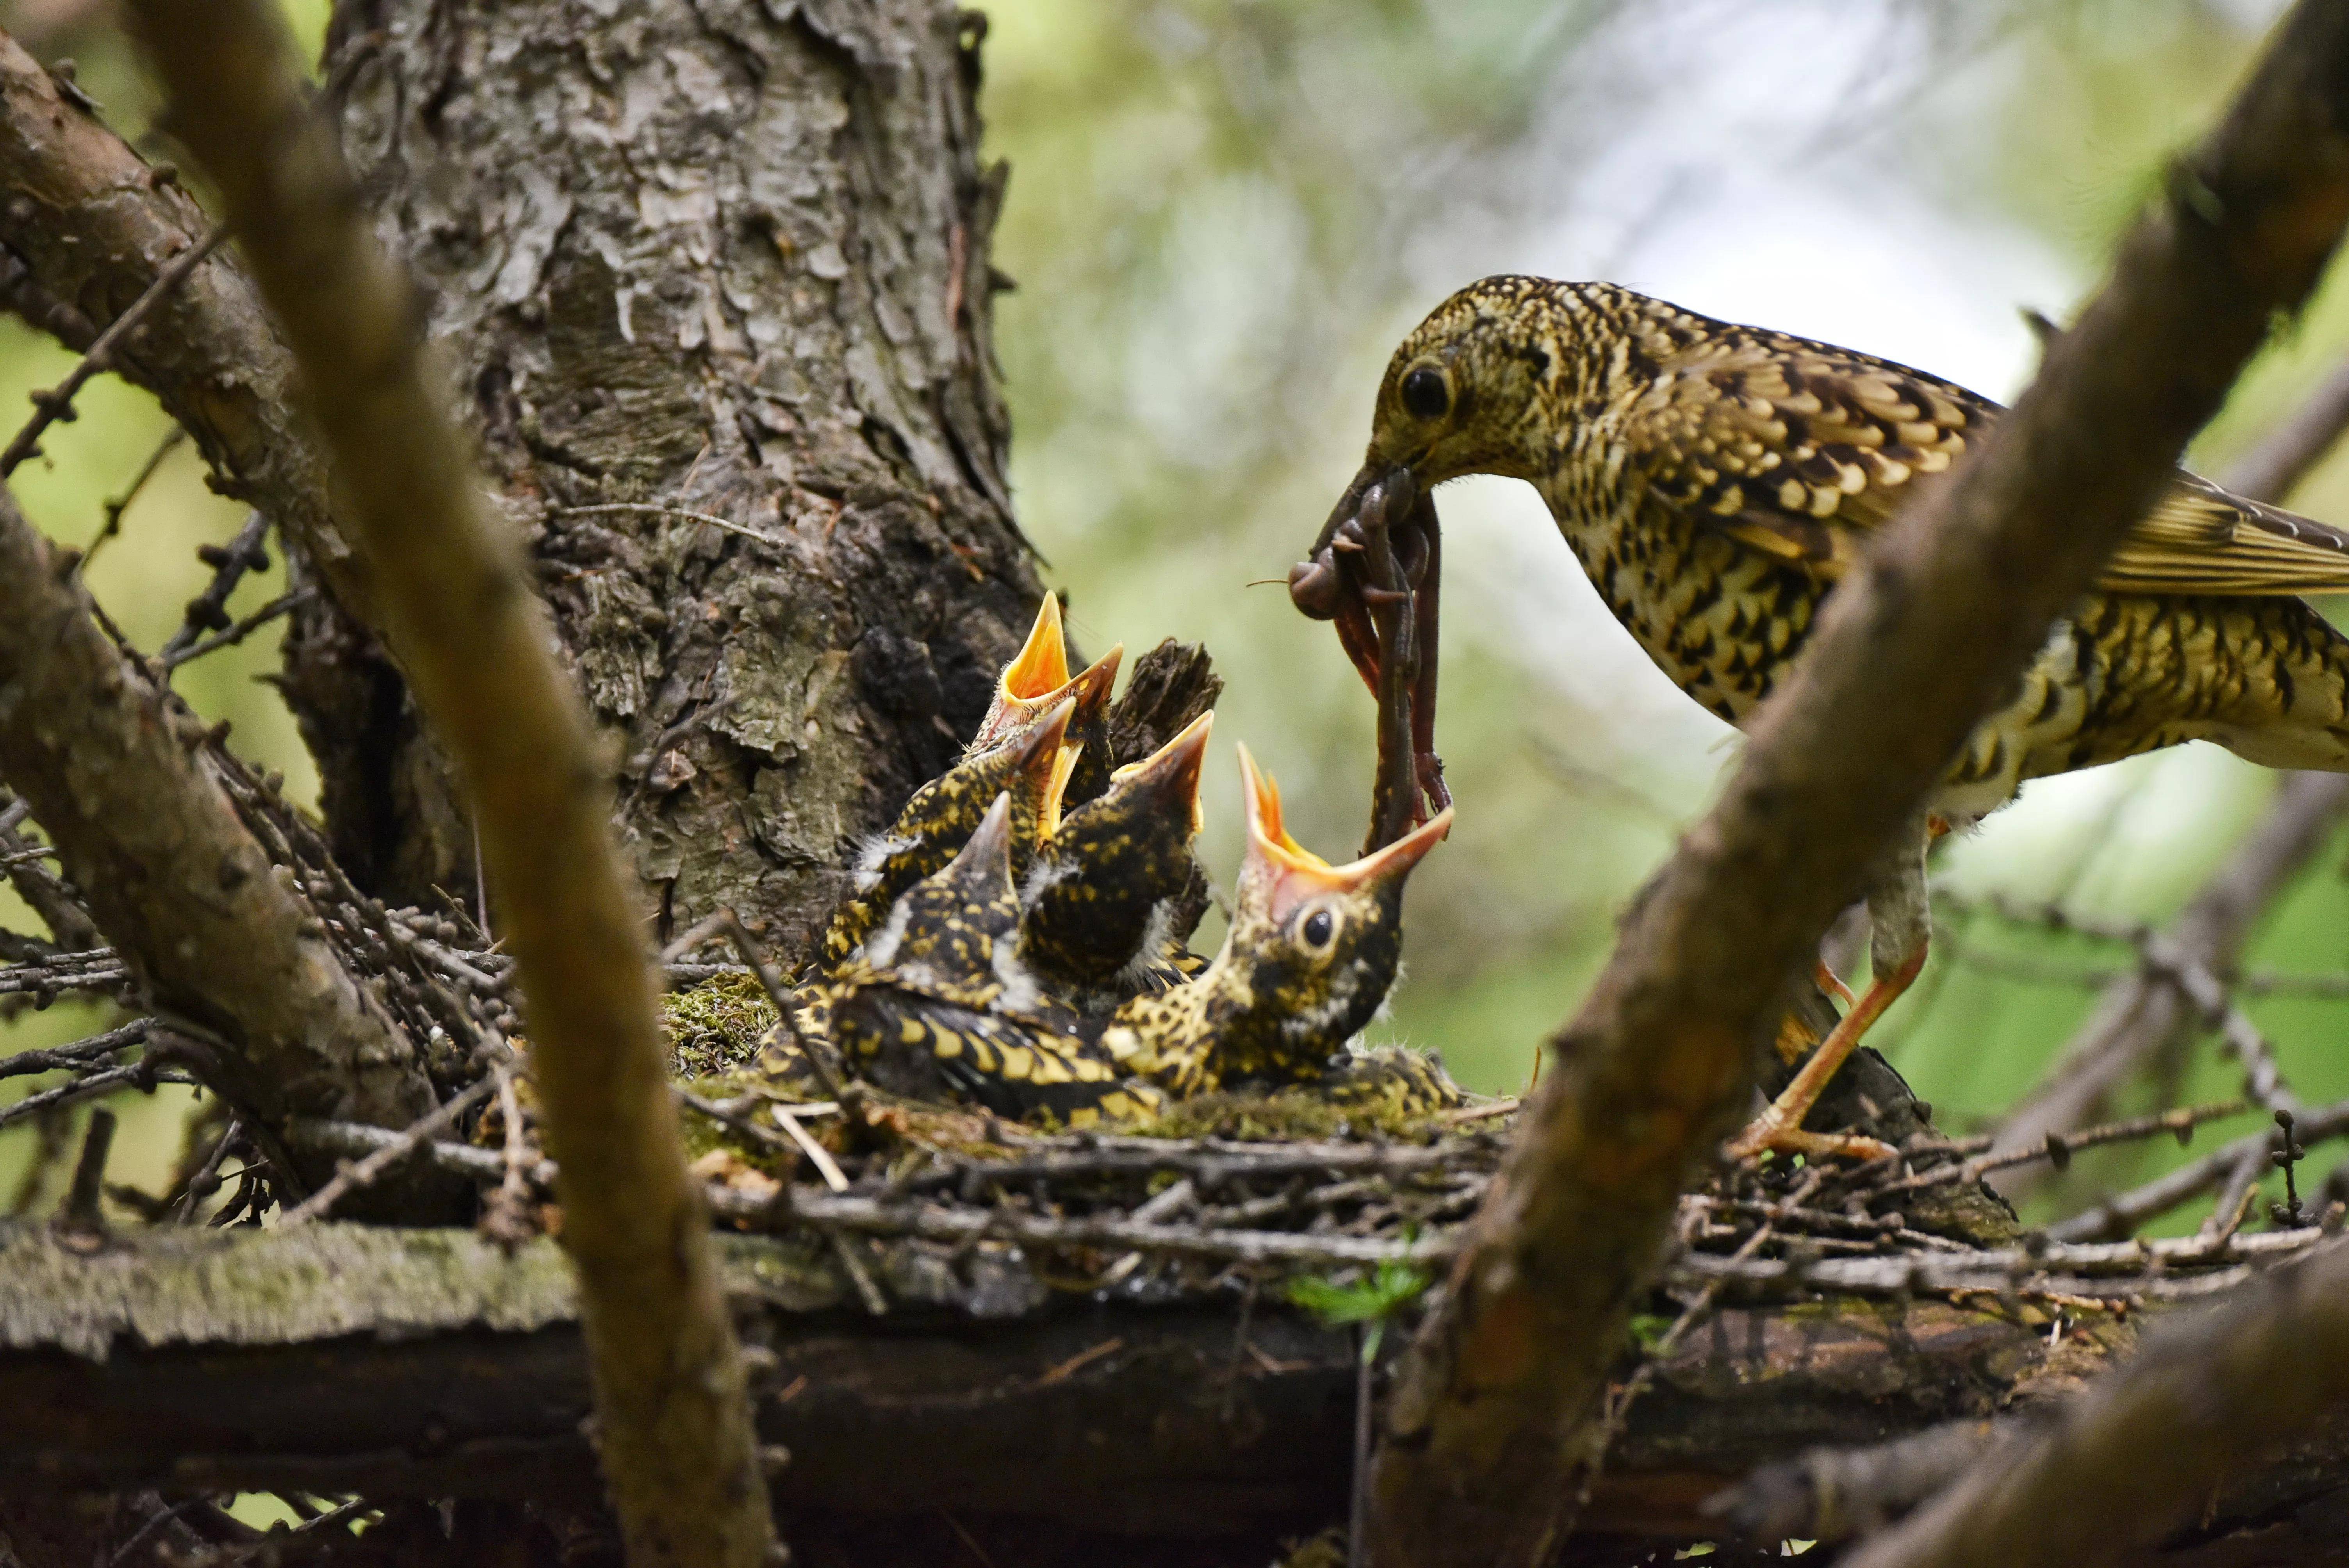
(1224, 213)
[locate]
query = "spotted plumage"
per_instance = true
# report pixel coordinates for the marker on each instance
(1393, 1079)
(1311, 952)
(1029, 765)
(934, 1007)
(1716, 481)
(1099, 908)
(1035, 681)
(937, 1005)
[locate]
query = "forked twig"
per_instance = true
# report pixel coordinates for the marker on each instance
(57, 402)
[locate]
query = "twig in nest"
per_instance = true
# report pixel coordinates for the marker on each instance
(771, 983)
(57, 402)
(2058, 1147)
(350, 1174)
(206, 1176)
(817, 1154)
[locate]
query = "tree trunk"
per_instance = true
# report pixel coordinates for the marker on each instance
(719, 259)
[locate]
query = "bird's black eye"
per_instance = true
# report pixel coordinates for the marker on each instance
(1425, 395)
(1321, 929)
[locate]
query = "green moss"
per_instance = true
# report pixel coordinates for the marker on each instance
(716, 1025)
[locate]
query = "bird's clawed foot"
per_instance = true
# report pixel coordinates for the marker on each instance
(1767, 1133)
(1780, 1127)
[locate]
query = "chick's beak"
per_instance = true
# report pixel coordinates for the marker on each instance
(1056, 789)
(1091, 688)
(985, 863)
(1170, 775)
(1041, 664)
(1038, 757)
(1290, 874)
(1268, 842)
(1039, 676)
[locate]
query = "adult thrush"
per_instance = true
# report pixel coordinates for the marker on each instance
(1716, 480)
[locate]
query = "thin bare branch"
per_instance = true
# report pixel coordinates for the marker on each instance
(92, 221)
(2143, 1448)
(2272, 469)
(285, 603)
(363, 1173)
(2139, 1015)
(57, 402)
(116, 770)
(2126, 1212)
(77, 1056)
(207, 611)
(674, 1432)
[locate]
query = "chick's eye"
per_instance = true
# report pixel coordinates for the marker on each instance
(1425, 395)
(1319, 928)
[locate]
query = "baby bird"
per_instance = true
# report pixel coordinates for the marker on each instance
(1099, 909)
(926, 1010)
(938, 1005)
(1029, 765)
(1311, 952)
(1035, 681)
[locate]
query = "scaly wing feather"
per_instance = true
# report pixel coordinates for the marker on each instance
(1802, 450)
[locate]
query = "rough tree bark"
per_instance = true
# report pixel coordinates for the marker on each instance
(728, 259)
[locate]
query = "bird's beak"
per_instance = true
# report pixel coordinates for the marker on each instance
(1042, 662)
(1171, 773)
(1056, 789)
(986, 862)
(1038, 677)
(1039, 756)
(1327, 586)
(1091, 688)
(1291, 873)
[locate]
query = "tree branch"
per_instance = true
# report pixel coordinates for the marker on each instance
(2142, 1449)
(93, 226)
(1497, 1394)
(674, 1432)
(442, 1366)
(223, 947)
